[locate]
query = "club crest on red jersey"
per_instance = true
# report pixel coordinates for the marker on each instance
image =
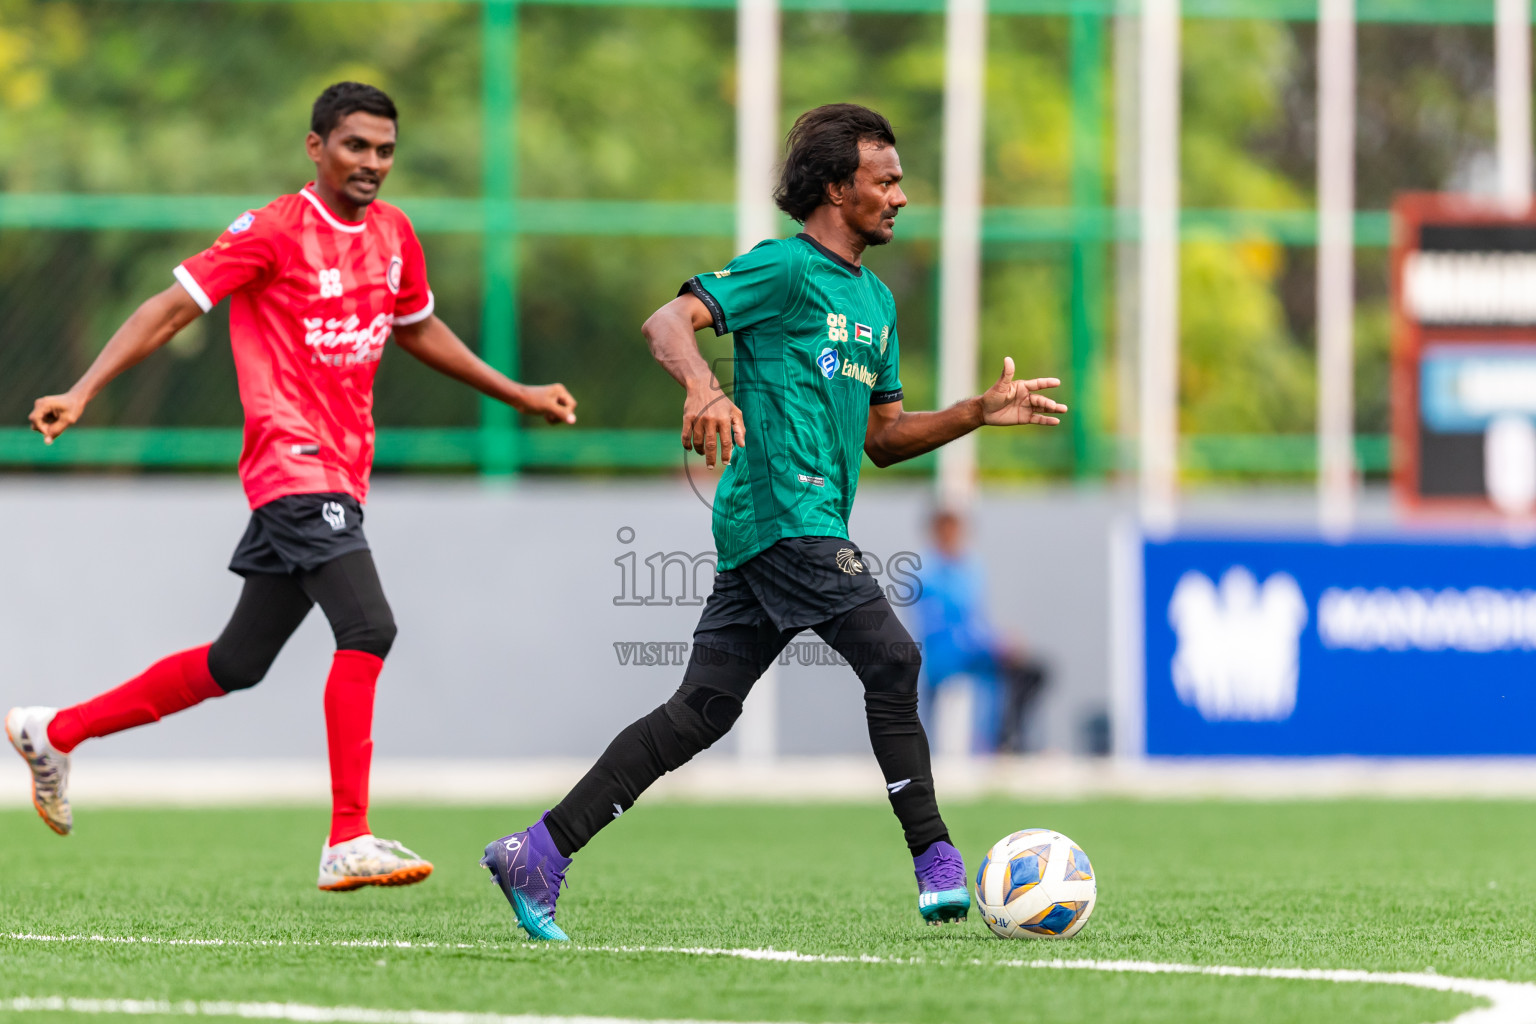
(242, 222)
(396, 264)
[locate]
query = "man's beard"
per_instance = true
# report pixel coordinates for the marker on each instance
(880, 234)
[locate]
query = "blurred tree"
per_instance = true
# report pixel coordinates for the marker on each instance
(159, 97)
(1424, 121)
(172, 98)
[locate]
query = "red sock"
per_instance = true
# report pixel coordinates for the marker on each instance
(170, 685)
(349, 735)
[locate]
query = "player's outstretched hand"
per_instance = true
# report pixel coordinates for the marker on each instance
(712, 425)
(1012, 403)
(54, 414)
(553, 402)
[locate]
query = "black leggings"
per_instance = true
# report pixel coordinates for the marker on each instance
(271, 607)
(721, 672)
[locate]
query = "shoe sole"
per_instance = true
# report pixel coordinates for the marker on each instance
(62, 830)
(955, 908)
(946, 916)
(405, 876)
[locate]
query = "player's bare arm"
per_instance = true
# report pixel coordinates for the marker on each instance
(894, 435)
(712, 425)
(153, 324)
(434, 343)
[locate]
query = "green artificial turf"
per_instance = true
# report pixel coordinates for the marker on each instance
(1384, 886)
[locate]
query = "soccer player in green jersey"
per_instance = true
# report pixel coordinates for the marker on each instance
(817, 387)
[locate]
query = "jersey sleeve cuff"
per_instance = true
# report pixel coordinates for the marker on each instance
(186, 280)
(885, 397)
(420, 315)
(716, 313)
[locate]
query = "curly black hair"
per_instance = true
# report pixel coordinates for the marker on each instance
(345, 98)
(824, 150)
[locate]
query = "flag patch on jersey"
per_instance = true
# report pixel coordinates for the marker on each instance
(862, 332)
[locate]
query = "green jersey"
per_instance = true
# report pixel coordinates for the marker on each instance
(815, 347)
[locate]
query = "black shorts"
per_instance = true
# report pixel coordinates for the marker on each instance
(797, 583)
(298, 533)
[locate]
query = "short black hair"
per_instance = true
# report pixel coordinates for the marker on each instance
(345, 98)
(824, 150)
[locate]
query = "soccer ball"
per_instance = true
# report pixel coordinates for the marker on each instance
(1036, 884)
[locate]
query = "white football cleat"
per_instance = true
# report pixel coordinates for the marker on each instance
(27, 729)
(369, 860)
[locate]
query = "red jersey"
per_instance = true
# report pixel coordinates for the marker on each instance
(315, 299)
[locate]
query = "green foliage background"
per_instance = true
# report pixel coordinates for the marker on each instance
(156, 97)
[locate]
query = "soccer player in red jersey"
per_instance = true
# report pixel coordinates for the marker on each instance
(318, 280)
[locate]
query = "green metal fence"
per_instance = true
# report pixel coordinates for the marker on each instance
(1086, 228)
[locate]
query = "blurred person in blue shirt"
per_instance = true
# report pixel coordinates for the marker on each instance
(960, 642)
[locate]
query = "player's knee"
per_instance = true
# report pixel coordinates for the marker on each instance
(233, 672)
(879, 648)
(381, 636)
(718, 708)
(891, 709)
(703, 714)
(372, 634)
(897, 671)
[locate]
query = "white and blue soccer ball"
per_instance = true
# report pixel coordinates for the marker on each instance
(1036, 884)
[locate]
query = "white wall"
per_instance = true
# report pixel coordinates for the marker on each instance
(505, 601)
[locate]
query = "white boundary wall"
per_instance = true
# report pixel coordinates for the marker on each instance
(508, 606)
(505, 681)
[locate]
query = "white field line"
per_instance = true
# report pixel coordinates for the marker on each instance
(1509, 1002)
(151, 940)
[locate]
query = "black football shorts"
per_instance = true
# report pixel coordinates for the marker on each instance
(797, 583)
(298, 533)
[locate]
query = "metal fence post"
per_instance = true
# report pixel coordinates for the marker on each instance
(1088, 255)
(757, 144)
(965, 61)
(1336, 263)
(498, 316)
(1512, 95)
(1159, 273)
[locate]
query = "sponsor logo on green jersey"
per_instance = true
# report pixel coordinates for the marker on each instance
(827, 361)
(862, 374)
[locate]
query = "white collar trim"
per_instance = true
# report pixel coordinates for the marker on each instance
(330, 218)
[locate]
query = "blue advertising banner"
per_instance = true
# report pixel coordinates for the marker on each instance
(1297, 647)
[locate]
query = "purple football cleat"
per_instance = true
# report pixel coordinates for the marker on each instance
(529, 870)
(941, 891)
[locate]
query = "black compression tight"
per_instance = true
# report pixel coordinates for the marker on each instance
(271, 607)
(704, 708)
